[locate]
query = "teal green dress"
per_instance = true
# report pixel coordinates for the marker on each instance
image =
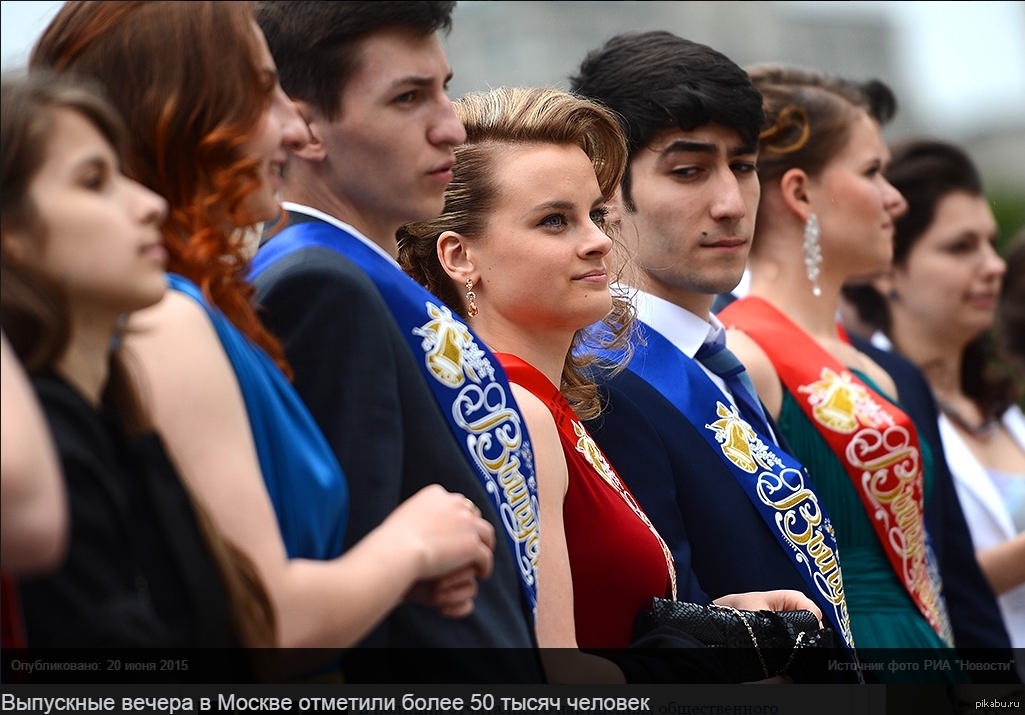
(882, 613)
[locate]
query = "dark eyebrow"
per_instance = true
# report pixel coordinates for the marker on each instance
(690, 146)
(96, 162)
(557, 205)
(419, 81)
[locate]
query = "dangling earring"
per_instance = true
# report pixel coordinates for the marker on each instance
(471, 309)
(812, 253)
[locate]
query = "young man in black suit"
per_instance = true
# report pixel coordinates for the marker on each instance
(371, 360)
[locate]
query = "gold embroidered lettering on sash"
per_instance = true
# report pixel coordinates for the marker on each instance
(798, 516)
(874, 440)
(890, 465)
(589, 449)
(494, 430)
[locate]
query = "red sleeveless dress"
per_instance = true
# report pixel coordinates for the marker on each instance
(617, 560)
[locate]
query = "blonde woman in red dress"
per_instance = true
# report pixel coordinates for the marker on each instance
(522, 251)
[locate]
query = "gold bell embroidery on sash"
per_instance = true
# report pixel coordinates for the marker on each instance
(445, 342)
(735, 437)
(835, 401)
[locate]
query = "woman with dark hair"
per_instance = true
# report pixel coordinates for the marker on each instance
(937, 305)
(826, 216)
(211, 131)
(81, 247)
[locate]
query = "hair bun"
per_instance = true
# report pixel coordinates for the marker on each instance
(789, 133)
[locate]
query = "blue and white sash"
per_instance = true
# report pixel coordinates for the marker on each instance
(467, 381)
(775, 482)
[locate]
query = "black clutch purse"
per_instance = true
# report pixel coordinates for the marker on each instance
(754, 644)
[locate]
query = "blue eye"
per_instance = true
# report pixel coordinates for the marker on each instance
(553, 221)
(600, 216)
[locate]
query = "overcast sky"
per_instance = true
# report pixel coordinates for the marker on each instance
(968, 58)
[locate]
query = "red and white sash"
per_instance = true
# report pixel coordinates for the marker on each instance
(875, 441)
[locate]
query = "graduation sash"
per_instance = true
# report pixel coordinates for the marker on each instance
(773, 480)
(467, 381)
(875, 441)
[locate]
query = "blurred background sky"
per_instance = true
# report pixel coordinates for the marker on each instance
(958, 68)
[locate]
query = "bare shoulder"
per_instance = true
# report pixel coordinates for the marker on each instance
(175, 351)
(759, 367)
(531, 407)
(540, 422)
(174, 311)
(175, 335)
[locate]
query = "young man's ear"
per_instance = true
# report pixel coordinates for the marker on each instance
(314, 150)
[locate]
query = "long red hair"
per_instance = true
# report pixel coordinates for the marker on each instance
(187, 78)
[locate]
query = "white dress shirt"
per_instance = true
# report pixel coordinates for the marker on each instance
(327, 218)
(682, 328)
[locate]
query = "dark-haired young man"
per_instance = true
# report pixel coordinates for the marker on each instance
(683, 426)
(394, 380)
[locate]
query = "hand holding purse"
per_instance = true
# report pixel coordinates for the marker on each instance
(755, 644)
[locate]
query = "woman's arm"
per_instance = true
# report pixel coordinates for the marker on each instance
(556, 625)
(199, 410)
(34, 514)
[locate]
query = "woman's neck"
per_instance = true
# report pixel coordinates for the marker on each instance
(782, 281)
(544, 350)
(939, 360)
(86, 361)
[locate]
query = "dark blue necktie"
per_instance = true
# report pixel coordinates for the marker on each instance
(717, 358)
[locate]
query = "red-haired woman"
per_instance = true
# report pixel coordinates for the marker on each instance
(211, 131)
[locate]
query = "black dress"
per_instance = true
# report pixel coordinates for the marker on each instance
(138, 572)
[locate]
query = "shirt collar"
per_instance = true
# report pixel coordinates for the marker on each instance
(291, 206)
(678, 325)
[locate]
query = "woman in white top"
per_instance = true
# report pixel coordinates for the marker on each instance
(937, 306)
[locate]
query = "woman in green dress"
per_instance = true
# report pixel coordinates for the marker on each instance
(826, 216)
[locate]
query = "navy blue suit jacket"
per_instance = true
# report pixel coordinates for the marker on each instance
(719, 540)
(362, 385)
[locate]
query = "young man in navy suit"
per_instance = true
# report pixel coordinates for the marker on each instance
(682, 425)
(370, 79)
